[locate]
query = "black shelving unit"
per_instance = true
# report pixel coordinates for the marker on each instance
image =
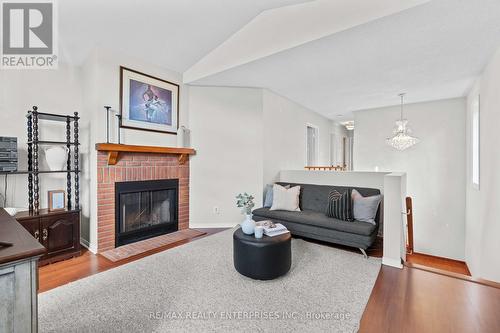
(26, 172)
(72, 166)
(63, 143)
(55, 117)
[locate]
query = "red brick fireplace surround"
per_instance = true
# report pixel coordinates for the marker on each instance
(133, 166)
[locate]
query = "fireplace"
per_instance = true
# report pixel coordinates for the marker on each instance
(145, 209)
(136, 167)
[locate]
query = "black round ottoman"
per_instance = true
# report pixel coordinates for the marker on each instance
(262, 259)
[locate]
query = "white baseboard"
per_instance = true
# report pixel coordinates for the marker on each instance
(91, 247)
(205, 225)
(84, 242)
(392, 262)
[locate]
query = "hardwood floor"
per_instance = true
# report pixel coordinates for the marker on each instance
(402, 300)
(414, 300)
(444, 264)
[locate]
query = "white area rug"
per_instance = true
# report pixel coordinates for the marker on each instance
(195, 288)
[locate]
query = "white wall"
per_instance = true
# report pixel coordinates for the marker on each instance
(55, 91)
(238, 133)
(356, 179)
(435, 168)
(483, 208)
(473, 209)
(226, 131)
(285, 135)
(84, 89)
(339, 132)
(107, 92)
(101, 86)
(243, 138)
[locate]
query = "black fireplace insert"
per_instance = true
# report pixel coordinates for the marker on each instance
(145, 209)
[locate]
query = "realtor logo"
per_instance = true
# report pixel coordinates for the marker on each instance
(28, 35)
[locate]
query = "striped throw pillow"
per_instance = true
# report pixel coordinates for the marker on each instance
(340, 206)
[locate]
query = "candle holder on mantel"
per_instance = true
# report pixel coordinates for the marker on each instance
(119, 117)
(108, 110)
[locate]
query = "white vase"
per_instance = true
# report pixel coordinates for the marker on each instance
(56, 157)
(183, 137)
(11, 210)
(248, 225)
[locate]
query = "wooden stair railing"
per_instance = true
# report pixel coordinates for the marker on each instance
(409, 225)
(327, 168)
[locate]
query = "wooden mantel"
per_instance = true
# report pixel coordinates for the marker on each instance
(114, 151)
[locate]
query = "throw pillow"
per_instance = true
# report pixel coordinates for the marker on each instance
(268, 201)
(365, 208)
(340, 206)
(286, 199)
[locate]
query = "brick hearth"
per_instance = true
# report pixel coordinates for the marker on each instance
(133, 167)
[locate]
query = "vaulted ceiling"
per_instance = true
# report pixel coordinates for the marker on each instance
(174, 34)
(283, 28)
(332, 56)
(433, 51)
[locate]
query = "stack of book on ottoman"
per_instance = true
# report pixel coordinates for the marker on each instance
(272, 229)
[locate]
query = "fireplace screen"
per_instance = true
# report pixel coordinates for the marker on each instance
(145, 209)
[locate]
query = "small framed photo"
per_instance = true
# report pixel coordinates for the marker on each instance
(57, 200)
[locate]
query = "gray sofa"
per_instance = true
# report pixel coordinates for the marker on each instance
(311, 221)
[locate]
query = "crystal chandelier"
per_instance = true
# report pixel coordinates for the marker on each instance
(402, 138)
(349, 125)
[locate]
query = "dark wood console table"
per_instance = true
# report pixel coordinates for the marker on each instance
(18, 276)
(58, 232)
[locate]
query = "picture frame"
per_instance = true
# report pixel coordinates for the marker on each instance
(57, 200)
(148, 103)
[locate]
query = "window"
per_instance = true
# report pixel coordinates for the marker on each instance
(475, 142)
(312, 147)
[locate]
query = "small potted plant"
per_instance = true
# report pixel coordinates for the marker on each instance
(245, 202)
